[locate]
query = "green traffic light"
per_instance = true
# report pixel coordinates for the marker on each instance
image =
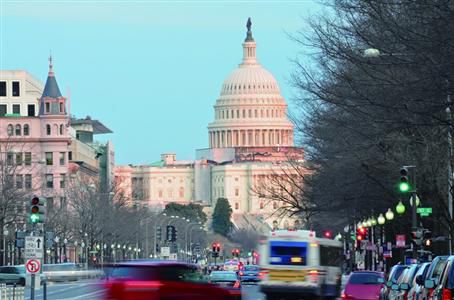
(34, 218)
(404, 187)
(249, 254)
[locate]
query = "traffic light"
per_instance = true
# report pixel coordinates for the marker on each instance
(174, 234)
(159, 233)
(361, 233)
(427, 238)
(404, 184)
(216, 249)
(37, 210)
(417, 237)
(236, 252)
(168, 233)
(327, 234)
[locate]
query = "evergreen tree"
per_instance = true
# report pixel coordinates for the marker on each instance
(221, 217)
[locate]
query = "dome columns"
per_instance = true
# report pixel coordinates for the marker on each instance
(250, 138)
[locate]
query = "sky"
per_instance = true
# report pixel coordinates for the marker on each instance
(151, 71)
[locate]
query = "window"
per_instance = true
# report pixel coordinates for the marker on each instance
(31, 110)
(62, 202)
(10, 130)
(237, 192)
(10, 158)
(170, 194)
(49, 159)
(2, 110)
(18, 130)
(261, 205)
(160, 193)
(19, 159)
(70, 155)
(19, 181)
(48, 131)
(256, 115)
(28, 181)
(249, 113)
(330, 256)
(62, 180)
(237, 205)
(62, 158)
(2, 88)
(28, 158)
(47, 107)
(181, 192)
(49, 181)
(50, 203)
(237, 113)
(244, 113)
(26, 130)
(16, 108)
(236, 178)
(61, 129)
(274, 205)
(16, 89)
(62, 109)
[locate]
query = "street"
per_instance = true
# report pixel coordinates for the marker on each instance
(91, 289)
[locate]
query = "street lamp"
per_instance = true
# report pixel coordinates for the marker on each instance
(381, 220)
(400, 208)
(389, 214)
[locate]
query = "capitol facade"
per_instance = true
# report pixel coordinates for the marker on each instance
(249, 140)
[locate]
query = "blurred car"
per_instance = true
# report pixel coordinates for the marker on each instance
(15, 275)
(445, 287)
(68, 272)
(418, 282)
(365, 285)
(228, 280)
(433, 275)
(151, 280)
(393, 276)
(231, 265)
(399, 290)
(250, 273)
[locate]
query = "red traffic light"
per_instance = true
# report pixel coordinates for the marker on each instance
(359, 237)
(362, 230)
(35, 201)
(327, 234)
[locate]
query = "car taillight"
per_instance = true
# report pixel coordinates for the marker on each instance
(237, 284)
(345, 296)
(142, 285)
(446, 294)
(241, 273)
(261, 274)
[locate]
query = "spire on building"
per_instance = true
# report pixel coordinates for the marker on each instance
(249, 37)
(249, 45)
(51, 89)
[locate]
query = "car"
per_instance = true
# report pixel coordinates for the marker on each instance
(445, 287)
(231, 265)
(15, 275)
(151, 280)
(228, 280)
(399, 290)
(433, 275)
(418, 283)
(363, 285)
(250, 273)
(393, 276)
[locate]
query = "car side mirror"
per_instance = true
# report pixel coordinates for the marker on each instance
(429, 284)
(395, 287)
(404, 286)
(389, 284)
(419, 280)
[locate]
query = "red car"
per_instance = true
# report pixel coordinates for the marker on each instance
(364, 285)
(150, 280)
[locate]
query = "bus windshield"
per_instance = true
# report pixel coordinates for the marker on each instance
(288, 253)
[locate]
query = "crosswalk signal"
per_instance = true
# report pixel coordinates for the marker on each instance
(37, 210)
(404, 184)
(159, 233)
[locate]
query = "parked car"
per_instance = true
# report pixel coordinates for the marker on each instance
(250, 273)
(418, 282)
(228, 280)
(433, 276)
(445, 287)
(15, 275)
(364, 285)
(399, 290)
(150, 280)
(393, 276)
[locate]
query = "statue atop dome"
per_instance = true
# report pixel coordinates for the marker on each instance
(249, 37)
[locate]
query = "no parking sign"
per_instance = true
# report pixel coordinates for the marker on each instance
(33, 266)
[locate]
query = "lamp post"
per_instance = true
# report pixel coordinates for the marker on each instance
(56, 240)
(65, 241)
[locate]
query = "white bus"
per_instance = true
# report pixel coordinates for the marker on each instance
(297, 264)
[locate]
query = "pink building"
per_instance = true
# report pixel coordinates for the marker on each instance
(34, 143)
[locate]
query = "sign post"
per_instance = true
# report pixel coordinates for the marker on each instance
(33, 266)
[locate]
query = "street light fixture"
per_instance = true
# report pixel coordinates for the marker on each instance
(400, 208)
(381, 220)
(389, 214)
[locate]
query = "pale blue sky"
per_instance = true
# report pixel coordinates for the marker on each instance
(149, 70)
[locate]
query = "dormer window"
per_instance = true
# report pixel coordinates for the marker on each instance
(47, 107)
(62, 109)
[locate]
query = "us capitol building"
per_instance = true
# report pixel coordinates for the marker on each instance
(249, 139)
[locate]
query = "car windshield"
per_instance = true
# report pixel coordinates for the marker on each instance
(365, 278)
(163, 273)
(395, 274)
(220, 276)
(251, 268)
(438, 268)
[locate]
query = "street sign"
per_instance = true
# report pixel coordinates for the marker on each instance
(424, 211)
(34, 247)
(400, 240)
(165, 251)
(33, 266)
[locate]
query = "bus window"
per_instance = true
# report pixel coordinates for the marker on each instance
(288, 253)
(330, 256)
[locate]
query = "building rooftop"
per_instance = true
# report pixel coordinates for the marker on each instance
(98, 127)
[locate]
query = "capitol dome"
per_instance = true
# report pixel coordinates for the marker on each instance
(250, 111)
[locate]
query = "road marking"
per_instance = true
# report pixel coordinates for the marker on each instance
(84, 296)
